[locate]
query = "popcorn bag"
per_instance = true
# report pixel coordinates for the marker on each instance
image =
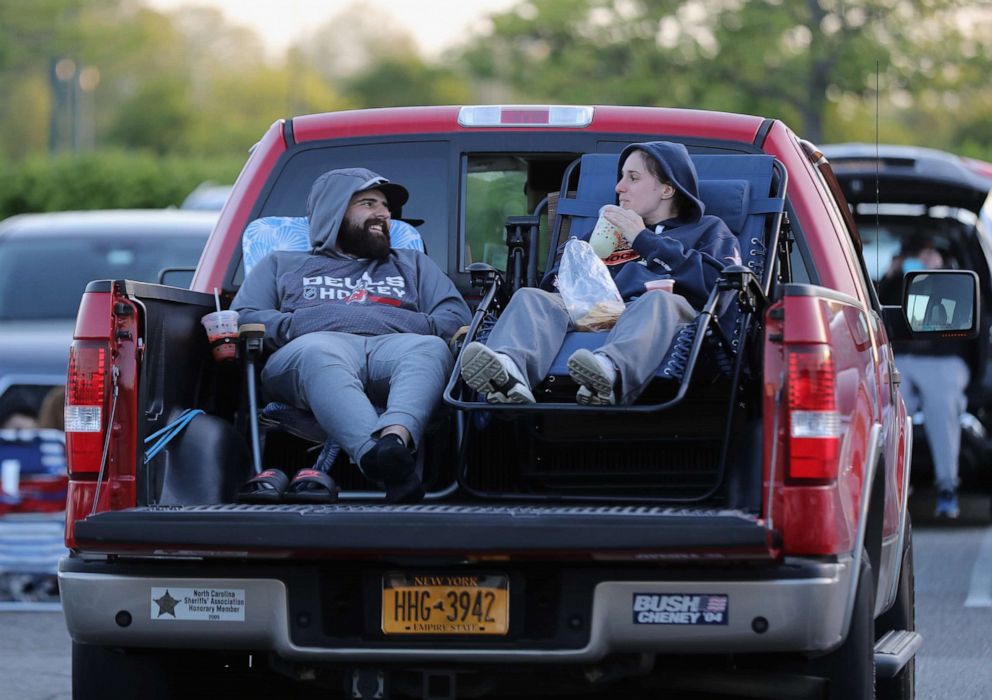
(588, 290)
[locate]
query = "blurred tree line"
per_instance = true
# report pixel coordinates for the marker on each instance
(102, 88)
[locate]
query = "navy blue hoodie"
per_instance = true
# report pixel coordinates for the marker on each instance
(324, 289)
(693, 248)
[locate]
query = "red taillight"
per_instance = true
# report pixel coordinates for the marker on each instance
(814, 422)
(85, 405)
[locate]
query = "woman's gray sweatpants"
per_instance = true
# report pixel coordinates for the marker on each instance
(341, 377)
(532, 328)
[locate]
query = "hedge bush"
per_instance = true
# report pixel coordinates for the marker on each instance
(107, 180)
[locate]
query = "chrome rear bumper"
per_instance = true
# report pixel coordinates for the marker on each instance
(762, 615)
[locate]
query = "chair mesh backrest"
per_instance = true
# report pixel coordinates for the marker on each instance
(737, 189)
(269, 233)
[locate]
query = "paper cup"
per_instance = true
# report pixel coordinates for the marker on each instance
(222, 332)
(665, 285)
(605, 238)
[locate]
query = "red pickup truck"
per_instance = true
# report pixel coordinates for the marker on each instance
(742, 528)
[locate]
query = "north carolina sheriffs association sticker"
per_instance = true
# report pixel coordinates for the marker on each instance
(208, 604)
(680, 609)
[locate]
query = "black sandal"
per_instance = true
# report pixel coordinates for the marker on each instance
(312, 486)
(267, 487)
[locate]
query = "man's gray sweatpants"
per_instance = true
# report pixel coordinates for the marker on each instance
(341, 377)
(937, 383)
(532, 328)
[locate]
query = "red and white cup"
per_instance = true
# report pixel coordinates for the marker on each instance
(222, 332)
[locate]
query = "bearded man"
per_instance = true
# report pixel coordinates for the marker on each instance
(353, 324)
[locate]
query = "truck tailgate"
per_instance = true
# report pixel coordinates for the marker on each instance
(369, 529)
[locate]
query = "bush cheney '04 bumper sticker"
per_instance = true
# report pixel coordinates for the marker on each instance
(680, 609)
(208, 604)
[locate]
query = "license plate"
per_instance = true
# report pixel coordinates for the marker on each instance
(425, 604)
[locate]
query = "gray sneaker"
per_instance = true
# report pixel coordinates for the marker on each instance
(494, 375)
(596, 384)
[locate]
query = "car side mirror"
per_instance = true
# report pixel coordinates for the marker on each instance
(937, 304)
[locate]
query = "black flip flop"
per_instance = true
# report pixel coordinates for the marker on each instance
(312, 486)
(267, 487)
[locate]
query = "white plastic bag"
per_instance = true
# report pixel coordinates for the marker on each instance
(588, 290)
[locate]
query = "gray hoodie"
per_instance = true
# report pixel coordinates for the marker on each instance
(295, 292)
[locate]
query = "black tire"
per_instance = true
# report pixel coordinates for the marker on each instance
(850, 669)
(901, 616)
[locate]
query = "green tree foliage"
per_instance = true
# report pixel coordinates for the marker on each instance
(111, 50)
(23, 132)
(242, 106)
(108, 180)
(32, 36)
(156, 116)
(794, 59)
(195, 83)
(406, 81)
(580, 51)
(816, 53)
(153, 78)
(352, 41)
(30, 33)
(375, 63)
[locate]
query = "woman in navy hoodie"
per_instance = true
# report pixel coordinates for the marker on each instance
(667, 235)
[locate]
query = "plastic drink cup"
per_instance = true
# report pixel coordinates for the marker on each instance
(605, 238)
(222, 332)
(665, 285)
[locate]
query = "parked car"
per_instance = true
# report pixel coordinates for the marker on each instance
(46, 260)
(208, 196)
(32, 505)
(743, 528)
(931, 194)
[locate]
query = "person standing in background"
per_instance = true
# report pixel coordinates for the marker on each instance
(934, 377)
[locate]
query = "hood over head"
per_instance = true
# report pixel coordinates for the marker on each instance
(329, 199)
(676, 167)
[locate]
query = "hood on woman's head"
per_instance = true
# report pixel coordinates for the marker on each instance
(676, 166)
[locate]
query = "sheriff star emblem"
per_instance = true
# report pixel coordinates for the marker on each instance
(166, 604)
